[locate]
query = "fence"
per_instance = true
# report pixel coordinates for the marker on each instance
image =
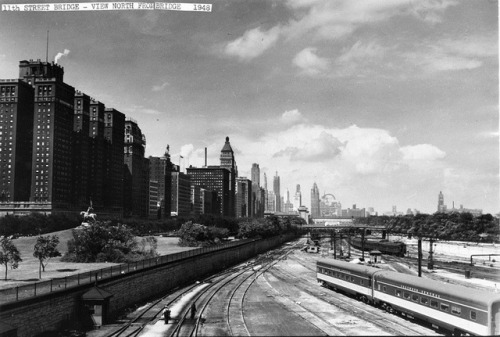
(58, 284)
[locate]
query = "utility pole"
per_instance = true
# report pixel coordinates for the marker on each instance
(419, 257)
(362, 244)
(430, 263)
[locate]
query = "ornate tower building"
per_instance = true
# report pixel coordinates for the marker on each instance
(315, 201)
(227, 161)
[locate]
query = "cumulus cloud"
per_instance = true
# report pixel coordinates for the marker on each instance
(292, 116)
(186, 150)
(309, 63)
(422, 152)
(160, 87)
(323, 147)
(252, 44)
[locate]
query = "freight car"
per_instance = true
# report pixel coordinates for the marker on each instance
(455, 308)
(384, 246)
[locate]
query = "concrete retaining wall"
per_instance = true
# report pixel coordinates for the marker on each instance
(65, 309)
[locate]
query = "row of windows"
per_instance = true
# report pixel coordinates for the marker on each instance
(347, 277)
(8, 89)
(431, 302)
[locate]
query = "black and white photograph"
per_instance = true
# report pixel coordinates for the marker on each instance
(249, 168)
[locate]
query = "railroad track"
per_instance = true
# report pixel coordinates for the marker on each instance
(387, 323)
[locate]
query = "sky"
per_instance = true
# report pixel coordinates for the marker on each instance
(380, 103)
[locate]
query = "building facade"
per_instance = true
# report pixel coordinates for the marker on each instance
(276, 190)
(243, 197)
(214, 178)
(136, 176)
(315, 209)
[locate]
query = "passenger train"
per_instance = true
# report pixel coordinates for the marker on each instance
(455, 308)
(384, 246)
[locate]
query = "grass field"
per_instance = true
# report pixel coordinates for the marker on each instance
(27, 272)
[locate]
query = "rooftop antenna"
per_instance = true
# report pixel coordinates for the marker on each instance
(47, 52)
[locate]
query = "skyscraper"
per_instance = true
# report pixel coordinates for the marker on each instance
(441, 206)
(213, 178)
(257, 203)
(297, 199)
(276, 190)
(315, 210)
(136, 179)
(227, 161)
(243, 197)
(16, 139)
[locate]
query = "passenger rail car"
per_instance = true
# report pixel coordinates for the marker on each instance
(452, 307)
(384, 246)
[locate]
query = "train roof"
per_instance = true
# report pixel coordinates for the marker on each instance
(436, 287)
(353, 267)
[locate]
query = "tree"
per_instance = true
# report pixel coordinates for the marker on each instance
(45, 249)
(9, 254)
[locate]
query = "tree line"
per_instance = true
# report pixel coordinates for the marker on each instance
(444, 226)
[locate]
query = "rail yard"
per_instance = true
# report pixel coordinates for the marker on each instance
(277, 294)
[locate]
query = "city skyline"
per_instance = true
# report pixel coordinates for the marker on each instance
(379, 103)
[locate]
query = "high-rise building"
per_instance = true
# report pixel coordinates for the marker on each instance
(153, 200)
(276, 190)
(181, 194)
(441, 206)
(315, 210)
(271, 202)
(214, 178)
(114, 135)
(228, 162)
(266, 196)
(243, 197)
(58, 153)
(288, 207)
(257, 201)
(297, 199)
(136, 176)
(16, 140)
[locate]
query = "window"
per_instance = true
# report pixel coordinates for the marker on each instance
(424, 300)
(398, 293)
(406, 295)
(414, 298)
(384, 289)
(473, 315)
(456, 310)
(444, 307)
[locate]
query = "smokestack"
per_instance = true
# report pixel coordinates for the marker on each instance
(205, 157)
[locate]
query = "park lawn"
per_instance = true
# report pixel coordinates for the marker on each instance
(27, 272)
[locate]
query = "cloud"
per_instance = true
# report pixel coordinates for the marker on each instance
(361, 51)
(323, 147)
(309, 63)
(331, 20)
(422, 152)
(157, 88)
(139, 109)
(252, 44)
(187, 150)
(292, 116)
(452, 55)
(59, 55)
